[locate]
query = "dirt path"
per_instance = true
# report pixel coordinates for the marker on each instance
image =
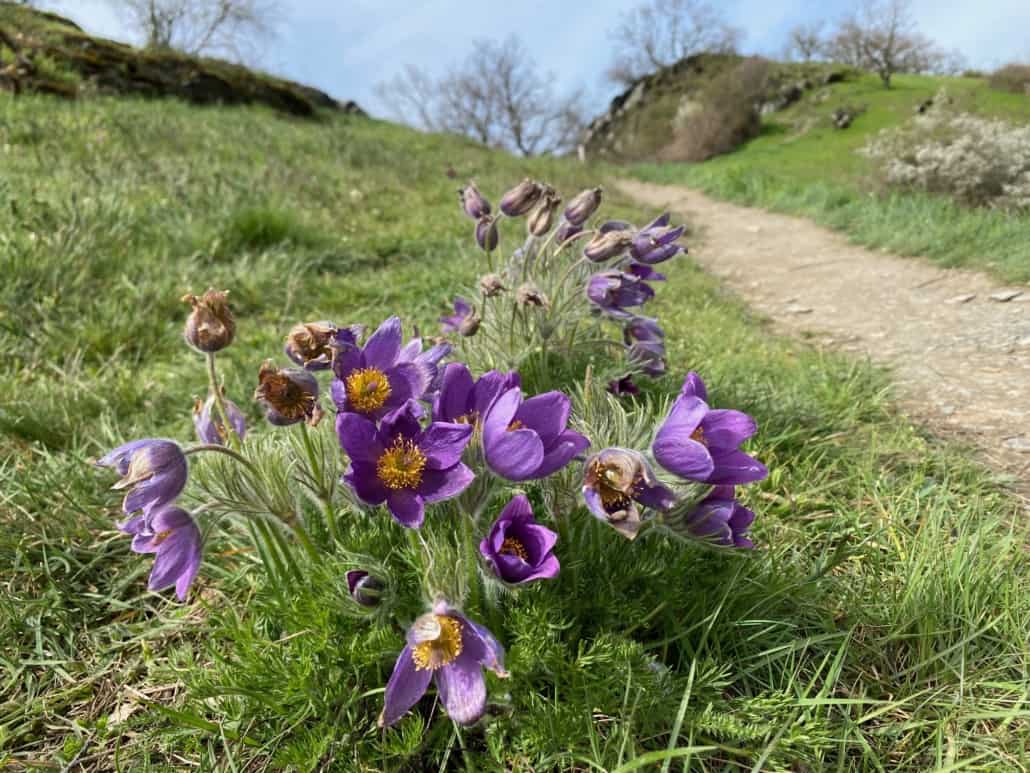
(960, 354)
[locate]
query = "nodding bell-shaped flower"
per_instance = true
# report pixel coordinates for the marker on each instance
(154, 471)
(487, 236)
(617, 481)
(656, 242)
(606, 246)
(365, 589)
(542, 217)
(464, 320)
(312, 344)
(473, 202)
(567, 231)
(648, 357)
(623, 387)
(445, 645)
(719, 519)
(171, 534)
(522, 198)
(613, 292)
(207, 421)
(289, 395)
(491, 285)
(583, 206)
(210, 327)
(518, 548)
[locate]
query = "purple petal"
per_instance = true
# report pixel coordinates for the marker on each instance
(693, 386)
(656, 496)
(489, 386)
(438, 485)
(408, 381)
(456, 388)
(515, 455)
(493, 652)
(120, 457)
(545, 414)
(384, 345)
(406, 507)
(546, 570)
(358, 437)
(539, 540)
(518, 510)
(462, 689)
(727, 429)
(443, 444)
(407, 684)
(736, 467)
(675, 450)
(403, 421)
(363, 479)
(569, 444)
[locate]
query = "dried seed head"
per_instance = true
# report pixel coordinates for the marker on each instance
(490, 285)
(529, 295)
(210, 327)
(310, 344)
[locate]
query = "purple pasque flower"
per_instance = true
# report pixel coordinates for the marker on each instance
(464, 320)
(701, 444)
(613, 292)
(529, 439)
(289, 395)
(365, 589)
(720, 519)
(172, 535)
(616, 482)
(517, 547)
(643, 271)
(402, 464)
(693, 386)
(381, 376)
(207, 421)
(656, 241)
(464, 400)
(448, 646)
(154, 472)
(623, 386)
(473, 202)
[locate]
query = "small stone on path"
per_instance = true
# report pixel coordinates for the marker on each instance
(796, 309)
(961, 298)
(1005, 296)
(1020, 444)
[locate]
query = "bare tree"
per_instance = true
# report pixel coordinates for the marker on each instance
(221, 27)
(496, 96)
(659, 33)
(882, 36)
(805, 42)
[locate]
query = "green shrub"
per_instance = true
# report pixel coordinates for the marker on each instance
(1014, 77)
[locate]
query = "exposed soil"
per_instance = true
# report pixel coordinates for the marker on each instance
(960, 357)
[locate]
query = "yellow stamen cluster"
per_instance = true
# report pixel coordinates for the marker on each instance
(439, 652)
(368, 389)
(517, 424)
(401, 465)
(613, 485)
(514, 547)
(160, 537)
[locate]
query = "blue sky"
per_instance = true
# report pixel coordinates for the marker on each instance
(346, 46)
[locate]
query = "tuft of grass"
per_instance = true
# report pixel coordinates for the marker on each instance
(801, 165)
(881, 624)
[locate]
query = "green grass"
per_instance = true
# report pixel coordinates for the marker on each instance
(802, 165)
(881, 624)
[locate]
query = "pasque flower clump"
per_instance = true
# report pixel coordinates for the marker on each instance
(482, 446)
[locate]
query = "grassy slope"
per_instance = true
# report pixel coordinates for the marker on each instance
(801, 164)
(881, 624)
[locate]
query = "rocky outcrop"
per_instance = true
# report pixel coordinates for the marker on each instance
(50, 54)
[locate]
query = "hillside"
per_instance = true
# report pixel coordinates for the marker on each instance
(801, 162)
(45, 53)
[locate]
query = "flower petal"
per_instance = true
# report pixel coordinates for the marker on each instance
(546, 414)
(384, 345)
(693, 386)
(438, 485)
(407, 684)
(736, 467)
(726, 429)
(443, 444)
(406, 507)
(358, 437)
(402, 421)
(493, 652)
(569, 444)
(462, 689)
(363, 479)
(673, 447)
(456, 388)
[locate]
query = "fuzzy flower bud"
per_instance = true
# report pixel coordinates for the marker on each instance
(542, 218)
(529, 295)
(486, 233)
(567, 231)
(210, 327)
(583, 206)
(606, 246)
(364, 588)
(491, 285)
(469, 326)
(473, 202)
(522, 198)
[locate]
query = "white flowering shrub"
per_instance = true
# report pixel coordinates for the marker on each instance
(978, 161)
